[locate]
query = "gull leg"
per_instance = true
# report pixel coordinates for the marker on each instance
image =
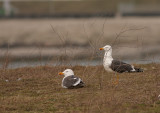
(115, 80)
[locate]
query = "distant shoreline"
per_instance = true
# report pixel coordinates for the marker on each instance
(31, 39)
(75, 53)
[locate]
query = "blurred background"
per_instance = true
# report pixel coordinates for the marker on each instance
(56, 32)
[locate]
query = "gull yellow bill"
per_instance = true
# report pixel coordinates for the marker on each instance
(101, 48)
(61, 73)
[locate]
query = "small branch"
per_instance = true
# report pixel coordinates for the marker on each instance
(124, 31)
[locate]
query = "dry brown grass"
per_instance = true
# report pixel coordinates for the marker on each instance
(39, 90)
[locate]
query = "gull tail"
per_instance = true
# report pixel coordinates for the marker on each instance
(138, 70)
(81, 84)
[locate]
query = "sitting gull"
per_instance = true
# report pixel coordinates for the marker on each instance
(115, 65)
(70, 80)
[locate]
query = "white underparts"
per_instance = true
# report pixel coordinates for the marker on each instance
(133, 68)
(64, 86)
(107, 66)
(62, 83)
(107, 61)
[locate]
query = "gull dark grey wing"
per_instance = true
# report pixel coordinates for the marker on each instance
(73, 82)
(120, 67)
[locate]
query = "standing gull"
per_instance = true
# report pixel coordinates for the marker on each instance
(115, 65)
(70, 81)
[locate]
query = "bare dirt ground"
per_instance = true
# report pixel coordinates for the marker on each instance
(138, 37)
(39, 89)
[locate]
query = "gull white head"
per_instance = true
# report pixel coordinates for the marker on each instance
(107, 49)
(67, 72)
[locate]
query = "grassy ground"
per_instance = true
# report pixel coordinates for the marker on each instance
(39, 90)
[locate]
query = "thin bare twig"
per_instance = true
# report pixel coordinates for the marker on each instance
(6, 59)
(122, 32)
(62, 40)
